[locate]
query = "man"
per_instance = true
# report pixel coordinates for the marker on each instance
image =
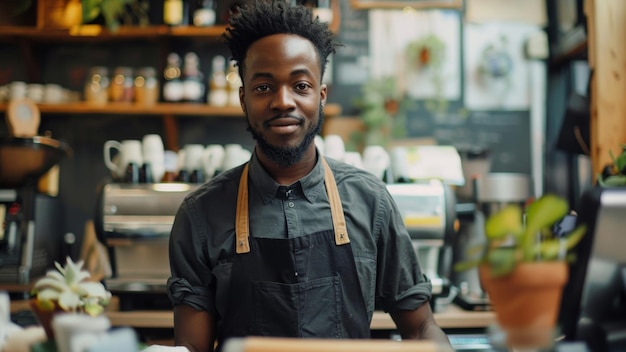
(290, 244)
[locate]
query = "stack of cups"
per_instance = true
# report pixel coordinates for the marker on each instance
(154, 156)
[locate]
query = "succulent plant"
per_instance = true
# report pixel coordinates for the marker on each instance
(69, 289)
(510, 240)
(614, 175)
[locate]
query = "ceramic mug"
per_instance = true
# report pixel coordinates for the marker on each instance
(376, 160)
(78, 332)
(154, 155)
(213, 159)
(334, 147)
(193, 157)
(234, 155)
(128, 151)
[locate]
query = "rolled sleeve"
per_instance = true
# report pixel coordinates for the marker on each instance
(191, 277)
(180, 291)
(401, 284)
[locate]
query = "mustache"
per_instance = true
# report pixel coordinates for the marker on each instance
(282, 116)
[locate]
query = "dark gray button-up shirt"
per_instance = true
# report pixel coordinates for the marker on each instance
(203, 235)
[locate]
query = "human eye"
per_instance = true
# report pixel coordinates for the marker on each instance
(262, 88)
(302, 86)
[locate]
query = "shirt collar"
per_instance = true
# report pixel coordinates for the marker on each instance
(309, 186)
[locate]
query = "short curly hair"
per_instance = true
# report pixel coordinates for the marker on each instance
(260, 18)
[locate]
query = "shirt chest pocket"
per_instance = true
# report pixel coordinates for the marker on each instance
(365, 263)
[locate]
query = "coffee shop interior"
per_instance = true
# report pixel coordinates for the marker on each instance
(460, 106)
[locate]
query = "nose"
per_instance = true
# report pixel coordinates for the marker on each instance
(283, 100)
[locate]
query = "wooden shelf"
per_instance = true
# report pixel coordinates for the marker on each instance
(161, 109)
(99, 33)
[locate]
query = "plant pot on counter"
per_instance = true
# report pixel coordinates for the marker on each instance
(527, 301)
(44, 316)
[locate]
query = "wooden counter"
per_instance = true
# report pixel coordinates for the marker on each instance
(452, 317)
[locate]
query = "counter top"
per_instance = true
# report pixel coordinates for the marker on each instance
(451, 317)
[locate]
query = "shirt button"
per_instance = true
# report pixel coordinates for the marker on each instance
(291, 205)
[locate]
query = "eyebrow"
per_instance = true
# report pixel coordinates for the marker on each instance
(293, 73)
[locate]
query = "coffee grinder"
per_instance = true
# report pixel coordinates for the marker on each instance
(492, 192)
(30, 231)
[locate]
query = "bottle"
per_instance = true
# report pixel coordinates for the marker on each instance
(176, 12)
(205, 14)
(193, 79)
(234, 82)
(218, 86)
(97, 85)
(173, 86)
(122, 87)
(323, 11)
(146, 86)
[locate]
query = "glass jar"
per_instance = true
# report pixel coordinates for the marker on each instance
(97, 85)
(146, 86)
(122, 85)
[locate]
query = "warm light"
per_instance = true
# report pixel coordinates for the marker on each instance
(170, 187)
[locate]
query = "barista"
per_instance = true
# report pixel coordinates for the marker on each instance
(290, 244)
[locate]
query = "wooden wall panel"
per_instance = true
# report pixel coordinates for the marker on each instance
(607, 59)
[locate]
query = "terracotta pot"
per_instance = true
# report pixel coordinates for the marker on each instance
(527, 301)
(44, 317)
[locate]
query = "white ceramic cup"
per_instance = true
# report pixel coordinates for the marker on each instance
(234, 155)
(128, 151)
(376, 160)
(77, 332)
(154, 155)
(319, 143)
(193, 157)
(213, 159)
(334, 147)
(399, 163)
(354, 159)
(17, 90)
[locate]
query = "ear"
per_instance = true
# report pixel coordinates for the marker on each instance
(323, 94)
(241, 97)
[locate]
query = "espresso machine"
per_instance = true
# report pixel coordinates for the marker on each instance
(30, 231)
(134, 222)
(30, 226)
(429, 214)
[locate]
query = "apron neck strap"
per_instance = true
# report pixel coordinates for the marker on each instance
(242, 218)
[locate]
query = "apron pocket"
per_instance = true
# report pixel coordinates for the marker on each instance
(308, 309)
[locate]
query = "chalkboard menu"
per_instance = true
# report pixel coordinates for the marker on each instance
(506, 133)
(350, 66)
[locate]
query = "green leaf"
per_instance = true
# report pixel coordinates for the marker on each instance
(615, 180)
(575, 236)
(466, 265)
(502, 261)
(91, 10)
(507, 221)
(550, 249)
(543, 212)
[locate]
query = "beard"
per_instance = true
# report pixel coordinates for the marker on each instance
(285, 156)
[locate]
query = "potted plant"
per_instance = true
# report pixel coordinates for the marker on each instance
(116, 12)
(614, 175)
(523, 266)
(68, 289)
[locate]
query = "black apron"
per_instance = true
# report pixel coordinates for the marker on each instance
(297, 287)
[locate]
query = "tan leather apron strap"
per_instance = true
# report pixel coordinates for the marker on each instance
(242, 218)
(242, 227)
(336, 210)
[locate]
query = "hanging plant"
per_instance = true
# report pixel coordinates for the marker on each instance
(426, 52)
(383, 111)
